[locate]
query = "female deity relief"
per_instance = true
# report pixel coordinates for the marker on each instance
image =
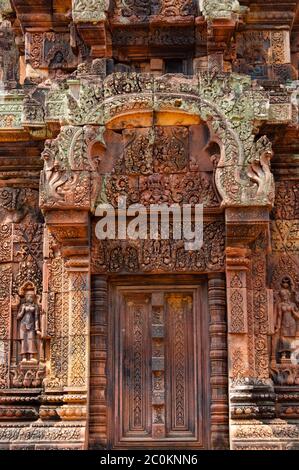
(29, 327)
(285, 340)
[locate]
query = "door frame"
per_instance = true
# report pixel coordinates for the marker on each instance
(194, 283)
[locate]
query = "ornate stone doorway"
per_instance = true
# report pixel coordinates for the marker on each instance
(158, 362)
(136, 142)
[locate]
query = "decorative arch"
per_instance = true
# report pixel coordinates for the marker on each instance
(243, 175)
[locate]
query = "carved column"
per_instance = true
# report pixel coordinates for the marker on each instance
(67, 300)
(249, 313)
(98, 359)
(218, 361)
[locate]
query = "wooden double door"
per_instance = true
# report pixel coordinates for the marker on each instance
(159, 370)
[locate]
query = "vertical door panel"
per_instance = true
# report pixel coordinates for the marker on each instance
(136, 354)
(158, 362)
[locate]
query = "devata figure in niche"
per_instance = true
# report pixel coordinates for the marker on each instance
(29, 327)
(288, 313)
(284, 343)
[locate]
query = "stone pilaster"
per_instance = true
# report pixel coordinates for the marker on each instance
(218, 361)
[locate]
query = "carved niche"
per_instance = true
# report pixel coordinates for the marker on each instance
(285, 339)
(21, 256)
(9, 57)
(263, 54)
(50, 51)
(285, 283)
(27, 360)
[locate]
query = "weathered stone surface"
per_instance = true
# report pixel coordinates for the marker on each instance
(166, 103)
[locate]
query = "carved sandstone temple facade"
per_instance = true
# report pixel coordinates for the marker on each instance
(139, 343)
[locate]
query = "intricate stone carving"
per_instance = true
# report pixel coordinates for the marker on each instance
(262, 54)
(253, 53)
(11, 108)
(5, 7)
(286, 201)
(224, 9)
(17, 205)
(138, 152)
(27, 376)
(33, 114)
(28, 239)
(190, 188)
(183, 139)
(284, 361)
(5, 286)
(218, 361)
(141, 8)
(65, 181)
(170, 150)
(236, 186)
(37, 432)
(175, 8)
(285, 234)
(29, 327)
(160, 255)
(9, 57)
(89, 10)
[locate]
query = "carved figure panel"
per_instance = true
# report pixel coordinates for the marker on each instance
(284, 262)
(160, 255)
(143, 9)
(162, 166)
(50, 51)
(285, 339)
(29, 327)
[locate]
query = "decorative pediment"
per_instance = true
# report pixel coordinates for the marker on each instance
(228, 104)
